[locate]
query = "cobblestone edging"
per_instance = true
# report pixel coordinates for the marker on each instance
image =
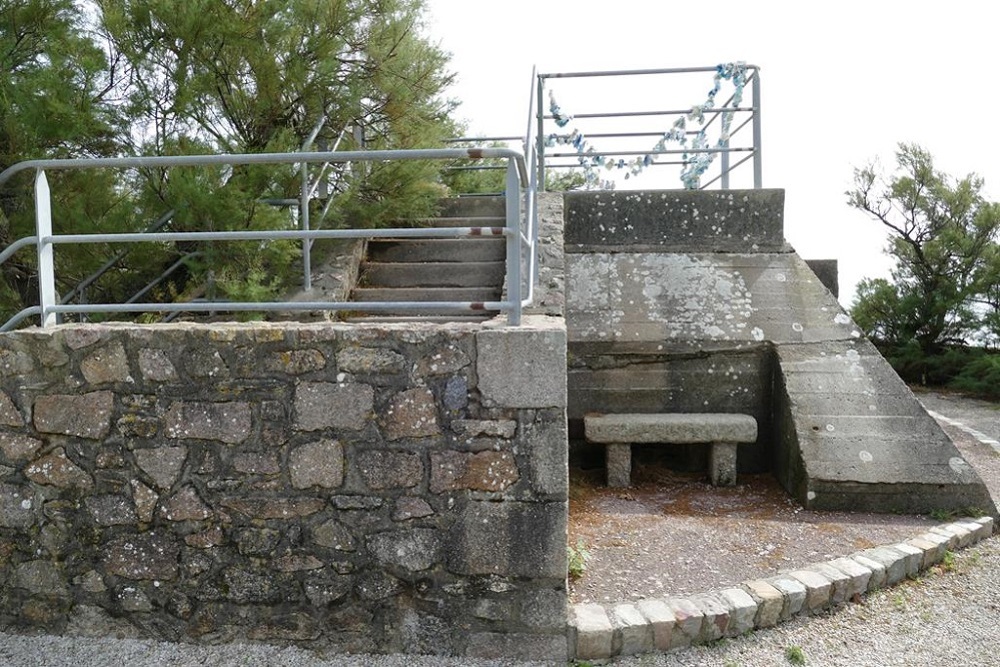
(598, 632)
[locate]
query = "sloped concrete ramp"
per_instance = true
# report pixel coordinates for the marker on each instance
(670, 287)
(855, 438)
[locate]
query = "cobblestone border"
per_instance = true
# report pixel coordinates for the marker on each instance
(600, 632)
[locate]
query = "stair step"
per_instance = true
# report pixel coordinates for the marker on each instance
(456, 221)
(475, 294)
(427, 319)
(474, 249)
(433, 274)
(490, 205)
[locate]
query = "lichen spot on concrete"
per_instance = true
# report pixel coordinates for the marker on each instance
(958, 464)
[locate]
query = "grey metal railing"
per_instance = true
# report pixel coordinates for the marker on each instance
(308, 189)
(520, 231)
(749, 115)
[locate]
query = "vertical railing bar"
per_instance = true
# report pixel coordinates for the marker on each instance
(540, 139)
(304, 226)
(757, 161)
(46, 251)
(513, 204)
(724, 165)
(304, 207)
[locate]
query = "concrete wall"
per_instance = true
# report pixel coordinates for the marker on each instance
(662, 292)
(354, 488)
(650, 378)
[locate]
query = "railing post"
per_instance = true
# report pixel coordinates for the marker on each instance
(304, 226)
(513, 204)
(724, 181)
(46, 251)
(757, 163)
(540, 139)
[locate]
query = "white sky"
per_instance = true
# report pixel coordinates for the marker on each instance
(842, 83)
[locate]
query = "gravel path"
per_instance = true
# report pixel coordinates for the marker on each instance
(944, 618)
(20, 651)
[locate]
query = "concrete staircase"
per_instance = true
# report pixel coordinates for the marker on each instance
(454, 269)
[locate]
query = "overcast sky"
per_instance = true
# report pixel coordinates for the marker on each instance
(842, 83)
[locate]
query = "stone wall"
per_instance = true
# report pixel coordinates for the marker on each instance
(352, 488)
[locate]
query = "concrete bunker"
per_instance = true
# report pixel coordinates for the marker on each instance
(693, 302)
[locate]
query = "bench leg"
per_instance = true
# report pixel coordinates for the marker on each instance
(722, 464)
(618, 459)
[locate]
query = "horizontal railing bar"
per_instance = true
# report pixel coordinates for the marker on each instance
(249, 235)
(480, 167)
(634, 72)
(243, 306)
(628, 135)
(472, 140)
(17, 245)
(672, 151)
(21, 315)
(271, 158)
(665, 112)
(576, 165)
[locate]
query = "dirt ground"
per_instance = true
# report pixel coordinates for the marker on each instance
(673, 534)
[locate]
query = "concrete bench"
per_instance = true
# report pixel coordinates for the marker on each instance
(722, 431)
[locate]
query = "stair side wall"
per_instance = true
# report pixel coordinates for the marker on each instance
(393, 488)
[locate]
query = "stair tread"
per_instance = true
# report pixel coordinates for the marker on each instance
(434, 319)
(425, 293)
(438, 250)
(437, 264)
(462, 221)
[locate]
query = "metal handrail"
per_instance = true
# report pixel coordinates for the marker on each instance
(520, 177)
(753, 80)
(531, 197)
(232, 159)
(307, 191)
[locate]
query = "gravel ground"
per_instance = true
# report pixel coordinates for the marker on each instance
(948, 616)
(21, 651)
(943, 618)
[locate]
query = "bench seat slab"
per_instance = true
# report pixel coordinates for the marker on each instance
(679, 428)
(723, 431)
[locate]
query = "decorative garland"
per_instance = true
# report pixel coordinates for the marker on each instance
(695, 164)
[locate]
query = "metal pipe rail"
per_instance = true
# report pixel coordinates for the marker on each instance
(712, 114)
(520, 232)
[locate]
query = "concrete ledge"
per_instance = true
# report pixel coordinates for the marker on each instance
(676, 220)
(600, 632)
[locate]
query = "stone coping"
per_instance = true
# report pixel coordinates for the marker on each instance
(600, 632)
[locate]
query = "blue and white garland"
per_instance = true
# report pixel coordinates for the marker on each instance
(695, 164)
